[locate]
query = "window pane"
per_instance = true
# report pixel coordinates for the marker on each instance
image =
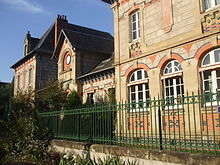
(171, 91)
(140, 87)
(140, 96)
(217, 2)
(207, 4)
(134, 35)
(207, 75)
(133, 97)
(132, 88)
(145, 74)
(139, 75)
(133, 17)
(206, 60)
(217, 55)
(218, 83)
(134, 26)
(217, 73)
(132, 77)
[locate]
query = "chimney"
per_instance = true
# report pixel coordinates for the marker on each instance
(60, 23)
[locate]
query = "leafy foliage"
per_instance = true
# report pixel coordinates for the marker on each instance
(73, 100)
(75, 159)
(25, 138)
(5, 95)
(52, 98)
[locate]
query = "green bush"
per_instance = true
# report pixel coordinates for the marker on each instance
(51, 98)
(73, 100)
(25, 138)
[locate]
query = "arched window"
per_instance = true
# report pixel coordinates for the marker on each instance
(66, 61)
(138, 86)
(210, 72)
(173, 82)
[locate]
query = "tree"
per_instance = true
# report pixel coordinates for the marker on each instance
(73, 100)
(5, 95)
(52, 98)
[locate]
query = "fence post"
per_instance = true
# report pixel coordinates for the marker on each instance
(160, 126)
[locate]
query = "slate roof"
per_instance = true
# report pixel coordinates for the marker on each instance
(90, 42)
(45, 44)
(101, 67)
(82, 35)
(86, 39)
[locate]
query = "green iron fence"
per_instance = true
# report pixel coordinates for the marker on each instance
(190, 123)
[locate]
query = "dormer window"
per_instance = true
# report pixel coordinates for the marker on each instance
(208, 4)
(135, 25)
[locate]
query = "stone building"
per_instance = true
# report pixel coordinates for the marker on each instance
(171, 46)
(168, 49)
(80, 51)
(36, 67)
(64, 53)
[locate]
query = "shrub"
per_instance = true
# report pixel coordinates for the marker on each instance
(25, 138)
(73, 100)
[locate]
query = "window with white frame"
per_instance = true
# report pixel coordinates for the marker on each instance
(173, 83)
(210, 72)
(138, 87)
(135, 25)
(210, 3)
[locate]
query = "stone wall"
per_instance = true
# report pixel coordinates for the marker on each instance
(140, 155)
(22, 72)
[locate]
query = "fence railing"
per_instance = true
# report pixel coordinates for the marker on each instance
(190, 123)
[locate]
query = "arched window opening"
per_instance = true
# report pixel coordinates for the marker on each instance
(138, 87)
(173, 83)
(210, 74)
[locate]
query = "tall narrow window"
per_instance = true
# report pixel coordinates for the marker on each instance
(138, 87)
(210, 3)
(30, 76)
(210, 72)
(173, 83)
(18, 84)
(135, 25)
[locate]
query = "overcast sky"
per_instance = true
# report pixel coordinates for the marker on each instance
(19, 16)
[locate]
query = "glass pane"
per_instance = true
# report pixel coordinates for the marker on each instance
(132, 77)
(140, 96)
(167, 92)
(133, 97)
(177, 81)
(217, 55)
(145, 74)
(207, 75)
(178, 90)
(147, 95)
(133, 18)
(134, 27)
(171, 91)
(166, 82)
(146, 86)
(134, 35)
(207, 4)
(217, 73)
(218, 84)
(132, 88)
(139, 75)
(176, 63)
(208, 85)
(171, 82)
(217, 2)
(206, 60)
(140, 87)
